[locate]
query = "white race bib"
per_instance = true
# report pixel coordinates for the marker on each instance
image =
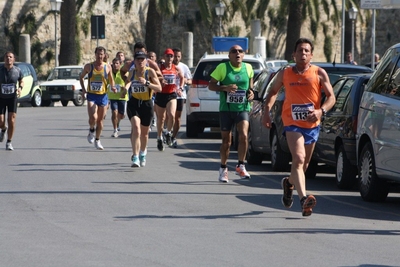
(238, 97)
(138, 88)
(96, 86)
(300, 111)
(169, 78)
(8, 89)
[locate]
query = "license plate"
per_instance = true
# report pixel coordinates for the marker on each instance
(55, 97)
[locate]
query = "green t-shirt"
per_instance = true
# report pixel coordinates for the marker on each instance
(119, 82)
(226, 74)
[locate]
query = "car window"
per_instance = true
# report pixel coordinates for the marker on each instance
(379, 81)
(258, 84)
(204, 69)
(337, 86)
(394, 82)
(24, 69)
(343, 94)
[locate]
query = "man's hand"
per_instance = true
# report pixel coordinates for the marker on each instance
(250, 95)
(267, 120)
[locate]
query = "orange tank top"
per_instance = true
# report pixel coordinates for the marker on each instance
(170, 79)
(302, 93)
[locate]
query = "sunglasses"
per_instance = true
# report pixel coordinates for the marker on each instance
(169, 55)
(234, 51)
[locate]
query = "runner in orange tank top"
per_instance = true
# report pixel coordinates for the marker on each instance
(301, 114)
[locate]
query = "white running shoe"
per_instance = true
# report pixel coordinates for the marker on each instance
(98, 145)
(223, 175)
(2, 134)
(115, 134)
(9, 146)
(241, 171)
(142, 159)
(91, 137)
(135, 162)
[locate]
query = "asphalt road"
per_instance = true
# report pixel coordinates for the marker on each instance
(63, 203)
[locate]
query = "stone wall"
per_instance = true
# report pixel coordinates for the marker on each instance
(123, 30)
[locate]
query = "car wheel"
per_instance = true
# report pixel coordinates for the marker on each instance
(371, 187)
(346, 173)
(79, 100)
(64, 103)
(253, 157)
(36, 100)
(191, 128)
(312, 169)
(279, 158)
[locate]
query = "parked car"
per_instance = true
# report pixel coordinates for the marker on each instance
(336, 145)
(63, 85)
(276, 64)
(31, 92)
(272, 140)
(202, 104)
(378, 142)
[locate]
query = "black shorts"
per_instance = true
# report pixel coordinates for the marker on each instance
(163, 99)
(228, 118)
(179, 104)
(142, 109)
(9, 104)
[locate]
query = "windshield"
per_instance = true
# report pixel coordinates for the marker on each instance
(65, 73)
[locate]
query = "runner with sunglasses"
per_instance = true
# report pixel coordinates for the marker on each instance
(234, 81)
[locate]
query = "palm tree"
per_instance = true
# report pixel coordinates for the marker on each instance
(68, 46)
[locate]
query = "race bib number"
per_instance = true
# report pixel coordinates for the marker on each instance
(8, 89)
(96, 86)
(169, 78)
(138, 88)
(300, 111)
(238, 97)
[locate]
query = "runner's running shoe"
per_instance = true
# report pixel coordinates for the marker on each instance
(168, 139)
(135, 161)
(91, 137)
(287, 198)
(307, 204)
(223, 175)
(160, 145)
(142, 159)
(241, 171)
(2, 134)
(115, 134)
(97, 145)
(9, 146)
(174, 143)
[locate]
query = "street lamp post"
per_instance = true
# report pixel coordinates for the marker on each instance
(55, 7)
(220, 10)
(352, 16)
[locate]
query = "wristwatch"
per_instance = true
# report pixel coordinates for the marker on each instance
(323, 112)
(147, 83)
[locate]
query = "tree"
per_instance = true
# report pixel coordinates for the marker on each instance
(68, 47)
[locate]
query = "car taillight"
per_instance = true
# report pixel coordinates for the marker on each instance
(199, 84)
(354, 122)
(195, 105)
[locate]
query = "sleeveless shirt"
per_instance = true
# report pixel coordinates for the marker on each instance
(302, 94)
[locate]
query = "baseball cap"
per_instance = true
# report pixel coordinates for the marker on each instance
(140, 54)
(169, 51)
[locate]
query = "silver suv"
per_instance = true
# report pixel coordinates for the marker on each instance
(202, 105)
(378, 129)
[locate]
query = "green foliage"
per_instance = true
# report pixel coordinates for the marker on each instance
(234, 31)
(49, 56)
(328, 48)
(83, 24)
(36, 53)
